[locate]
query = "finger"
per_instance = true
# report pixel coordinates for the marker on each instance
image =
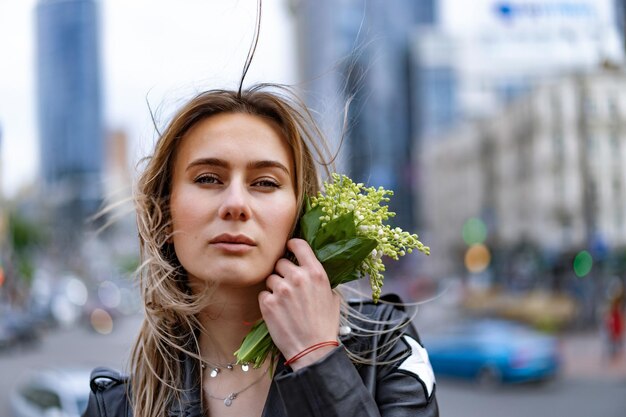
(263, 299)
(273, 281)
(297, 275)
(284, 267)
(303, 252)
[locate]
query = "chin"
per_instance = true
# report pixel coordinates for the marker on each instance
(238, 277)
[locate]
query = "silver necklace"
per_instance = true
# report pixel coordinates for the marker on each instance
(216, 369)
(228, 400)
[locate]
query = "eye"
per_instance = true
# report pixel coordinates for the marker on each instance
(266, 183)
(206, 179)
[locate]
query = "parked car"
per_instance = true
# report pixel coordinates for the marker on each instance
(24, 327)
(54, 392)
(17, 329)
(6, 336)
(493, 352)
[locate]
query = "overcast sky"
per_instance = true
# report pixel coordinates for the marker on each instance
(159, 49)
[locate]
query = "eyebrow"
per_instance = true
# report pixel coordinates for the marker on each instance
(216, 162)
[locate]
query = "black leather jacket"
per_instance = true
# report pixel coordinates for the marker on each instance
(397, 381)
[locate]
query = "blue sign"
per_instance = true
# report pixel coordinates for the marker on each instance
(509, 10)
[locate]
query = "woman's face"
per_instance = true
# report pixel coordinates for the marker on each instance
(233, 201)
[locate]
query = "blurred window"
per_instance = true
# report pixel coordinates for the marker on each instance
(614, 140)
(559, 150)
(590, 106)
(619, 218)
(42, 398)
(613, 108)
(523, 168)
(617, 188)
(592, 144)
(593, 197)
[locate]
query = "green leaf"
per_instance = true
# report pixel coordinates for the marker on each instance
(341, 228)
(337, 269)
(256, 345)
(342, 259)
(346, 275)
(354, 249)
(310, 223)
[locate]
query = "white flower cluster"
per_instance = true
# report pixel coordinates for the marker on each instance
(342, 196)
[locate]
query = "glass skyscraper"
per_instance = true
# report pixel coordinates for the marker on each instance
(358, 50)
(70, 105)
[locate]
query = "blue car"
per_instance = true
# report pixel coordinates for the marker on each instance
(494, 352)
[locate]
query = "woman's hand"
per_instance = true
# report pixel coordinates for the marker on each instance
(299, 307)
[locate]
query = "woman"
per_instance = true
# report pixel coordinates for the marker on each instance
(614, 323)
(217, 205)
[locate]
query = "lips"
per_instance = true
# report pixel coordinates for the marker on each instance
(226, 238)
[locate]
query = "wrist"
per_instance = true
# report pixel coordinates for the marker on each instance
(311, 354)
(312, 358)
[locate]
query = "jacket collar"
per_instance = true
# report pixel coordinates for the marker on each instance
(190, 404)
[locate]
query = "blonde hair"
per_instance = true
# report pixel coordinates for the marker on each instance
(168, 330)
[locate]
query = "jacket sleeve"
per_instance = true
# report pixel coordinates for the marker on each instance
(397, 381)
(330, 388)
(405, 381)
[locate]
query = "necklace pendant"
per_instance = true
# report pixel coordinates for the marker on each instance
(228, 401)
(214, 372)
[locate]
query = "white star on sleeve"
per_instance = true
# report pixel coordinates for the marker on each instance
(418, 364)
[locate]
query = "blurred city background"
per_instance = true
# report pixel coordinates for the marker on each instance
(501, 126)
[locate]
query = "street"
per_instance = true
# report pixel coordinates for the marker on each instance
(77, 347)
(563, 398)
(586, 388)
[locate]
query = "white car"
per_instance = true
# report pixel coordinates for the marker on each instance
(52, 393)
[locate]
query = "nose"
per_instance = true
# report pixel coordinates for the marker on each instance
(235, 203)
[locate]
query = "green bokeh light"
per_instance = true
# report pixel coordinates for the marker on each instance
(582, 263)
(474, 231)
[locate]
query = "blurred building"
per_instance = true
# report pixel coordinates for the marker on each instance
(486, 53)
(358, 50)
(546, 175)
(3, 217)
(70, 108)
(117, 177)
(620, 18)
(1, 167)
(415, 69)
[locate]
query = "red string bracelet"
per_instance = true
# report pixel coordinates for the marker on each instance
(311, 349)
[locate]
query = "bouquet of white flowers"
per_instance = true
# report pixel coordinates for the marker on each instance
(344, 226)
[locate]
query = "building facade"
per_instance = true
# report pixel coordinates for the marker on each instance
(357, 51)
(70, 105)
(547, 173)
(483, 55)
(486, 53)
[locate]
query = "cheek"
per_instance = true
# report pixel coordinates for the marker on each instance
(283, 218)
(186, 219)
(185, 214)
